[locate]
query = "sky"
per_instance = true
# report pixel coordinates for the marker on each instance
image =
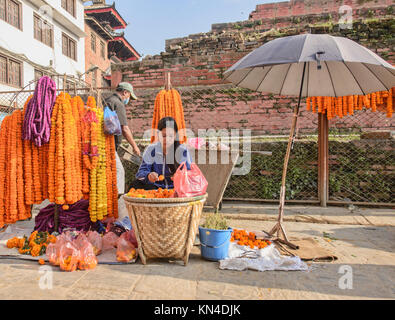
(151, 22)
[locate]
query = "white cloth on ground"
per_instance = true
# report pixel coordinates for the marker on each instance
(268, 259)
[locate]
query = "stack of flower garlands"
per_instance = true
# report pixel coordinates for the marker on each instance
(168, 103)
(60, 170)
(342, 106)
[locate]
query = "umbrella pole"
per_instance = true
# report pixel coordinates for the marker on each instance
(279, 227)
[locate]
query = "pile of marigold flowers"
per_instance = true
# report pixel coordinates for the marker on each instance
(151, 194)
(244, 238)
(35, 245)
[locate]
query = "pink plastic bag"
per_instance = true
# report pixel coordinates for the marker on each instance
(131, 237)
(96, 240)
(53, 249)
(110, 241)
(80, 241)
(69, 257)
(126, 251)
(88, 260)
(189, 183)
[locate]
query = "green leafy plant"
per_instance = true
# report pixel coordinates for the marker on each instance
(216, 221)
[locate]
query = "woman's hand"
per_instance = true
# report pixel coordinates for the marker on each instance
(153, 177)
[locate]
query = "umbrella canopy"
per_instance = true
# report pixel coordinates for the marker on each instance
(335, 67)
(310, 65)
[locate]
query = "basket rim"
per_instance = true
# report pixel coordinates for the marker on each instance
(165, 200)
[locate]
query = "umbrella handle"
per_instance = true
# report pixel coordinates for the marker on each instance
(318, 59)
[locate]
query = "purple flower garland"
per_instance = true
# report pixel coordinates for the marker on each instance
(37, 121)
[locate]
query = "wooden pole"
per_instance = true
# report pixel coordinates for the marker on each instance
(64, 84)
(168, 81)
(279, 228)
(323, 157)
(56, 218)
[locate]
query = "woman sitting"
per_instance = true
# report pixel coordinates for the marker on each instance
(162, 159)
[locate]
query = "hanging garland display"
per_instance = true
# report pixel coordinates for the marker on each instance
(63, 175)
(12, 193)
(77, 162)
(342, 106)
(168, 103)
(98, 181)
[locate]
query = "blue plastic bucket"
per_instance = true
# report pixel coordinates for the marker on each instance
(214, 244)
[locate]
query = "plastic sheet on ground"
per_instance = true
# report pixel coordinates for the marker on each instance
(268, 259)
(20, 229)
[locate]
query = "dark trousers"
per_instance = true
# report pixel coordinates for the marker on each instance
(138, 184)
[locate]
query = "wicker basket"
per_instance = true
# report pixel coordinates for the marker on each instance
(165, 228)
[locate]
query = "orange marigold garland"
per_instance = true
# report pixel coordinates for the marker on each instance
(59, 157)
(168, 103)
(51, 155)
(3, 172)
(22, 214)
(114, 178)
(12, 215)
(347, 105)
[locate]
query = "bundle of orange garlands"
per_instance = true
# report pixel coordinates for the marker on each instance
(168, 103)
(57, 171)
(342, 106)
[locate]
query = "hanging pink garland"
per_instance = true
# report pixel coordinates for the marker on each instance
(37, 121)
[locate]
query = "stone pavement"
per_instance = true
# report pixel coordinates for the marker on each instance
(368, 248)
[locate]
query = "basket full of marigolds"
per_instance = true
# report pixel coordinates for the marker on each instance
(165, 226)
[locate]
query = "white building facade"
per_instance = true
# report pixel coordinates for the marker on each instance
(40, 37)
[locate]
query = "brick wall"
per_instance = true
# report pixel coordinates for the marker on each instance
(95, 58)
(198, 61)
(306, 7)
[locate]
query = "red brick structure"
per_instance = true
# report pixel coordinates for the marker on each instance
(104, 44)
(294, 8)
(197, 63)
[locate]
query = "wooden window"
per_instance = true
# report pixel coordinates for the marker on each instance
(93, 42)
(73, 49)
(2, 9)
(3, 70)
(14, 73)
(69, 47)
(11, 12)
(102, 49)
(65, 45)
(69, 6)
(43, 31)
(48, 34)
(10, 72)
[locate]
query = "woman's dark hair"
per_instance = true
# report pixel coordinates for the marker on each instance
(169, 122)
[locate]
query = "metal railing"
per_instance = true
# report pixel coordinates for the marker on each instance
(361, 164)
